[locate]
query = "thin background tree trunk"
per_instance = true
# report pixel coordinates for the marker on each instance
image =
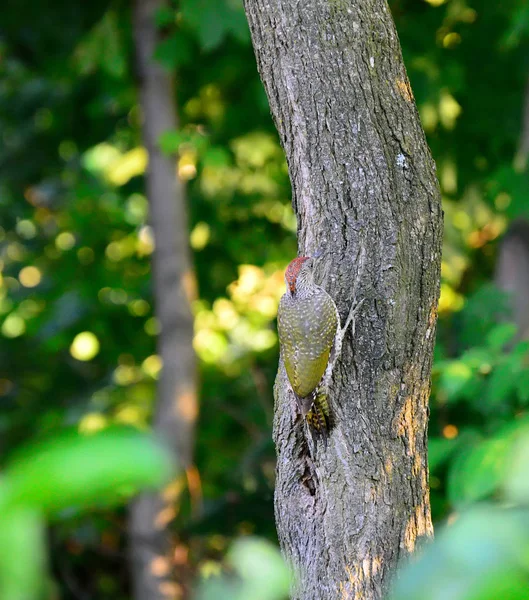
(512, 274)
(520, 159)
(176, 408)
(365, 191)
(512, 261)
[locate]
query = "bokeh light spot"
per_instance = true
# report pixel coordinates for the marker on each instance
(85, 346)
(92, 422)
(136, 209)
(449, 110)
(462, 220)
(160, 566)
(429, 116)
(200, 236)
(14, 326)
(210, 568)
(146, 243)
(85, 255)
(117, 296)
(26, 229)
(125, 375)
(450, 300)
(30, 277)
(129, 165)
(113, 252)
(29, 308)
(139, 307)
(187, 165)
(15, 251)
(152, 366)
(502, 201)
(152, 326)
(65, 241)
(130, 415)
(451, 40)
(450, 432)
(226, 314)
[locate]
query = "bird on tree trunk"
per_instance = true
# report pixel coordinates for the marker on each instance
(310, 338)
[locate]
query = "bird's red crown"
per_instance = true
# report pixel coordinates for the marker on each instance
(291, 274)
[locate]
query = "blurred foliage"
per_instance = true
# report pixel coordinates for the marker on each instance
(76, 309)
(68, 472)
(482, 553)
(258, 572)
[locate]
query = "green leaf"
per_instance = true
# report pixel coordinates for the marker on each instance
(519, 27)
(454, 377)
(261, 568)
(502, 383)
(262, 574)
(478, 472)
(216, 156)
(103, 48)
(164, 16)
(516, 485)
(521, 352)
(85, 470)
(522, 386)
(501, 335)
(170, 141)
(174, 51)
(213, 20)
(22, 554)
(482, 556)
(439, 450)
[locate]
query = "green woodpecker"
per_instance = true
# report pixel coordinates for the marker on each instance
(310, 338)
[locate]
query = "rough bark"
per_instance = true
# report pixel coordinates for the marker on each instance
(176, 407)
(365, 191)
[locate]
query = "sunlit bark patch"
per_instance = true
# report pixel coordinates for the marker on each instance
(419, 524)
(404, 89)
(164, 517)
(187, 405)
(189, 283)
(160, 566)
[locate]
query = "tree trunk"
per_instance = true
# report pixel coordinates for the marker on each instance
(365, 192)
(176, 408)
(520, 159)
(512, 274)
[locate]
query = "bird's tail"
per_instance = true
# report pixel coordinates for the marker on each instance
(318, 415)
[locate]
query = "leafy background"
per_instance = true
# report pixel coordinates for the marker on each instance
(76, 309)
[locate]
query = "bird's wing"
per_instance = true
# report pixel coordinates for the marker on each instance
(307, 328)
